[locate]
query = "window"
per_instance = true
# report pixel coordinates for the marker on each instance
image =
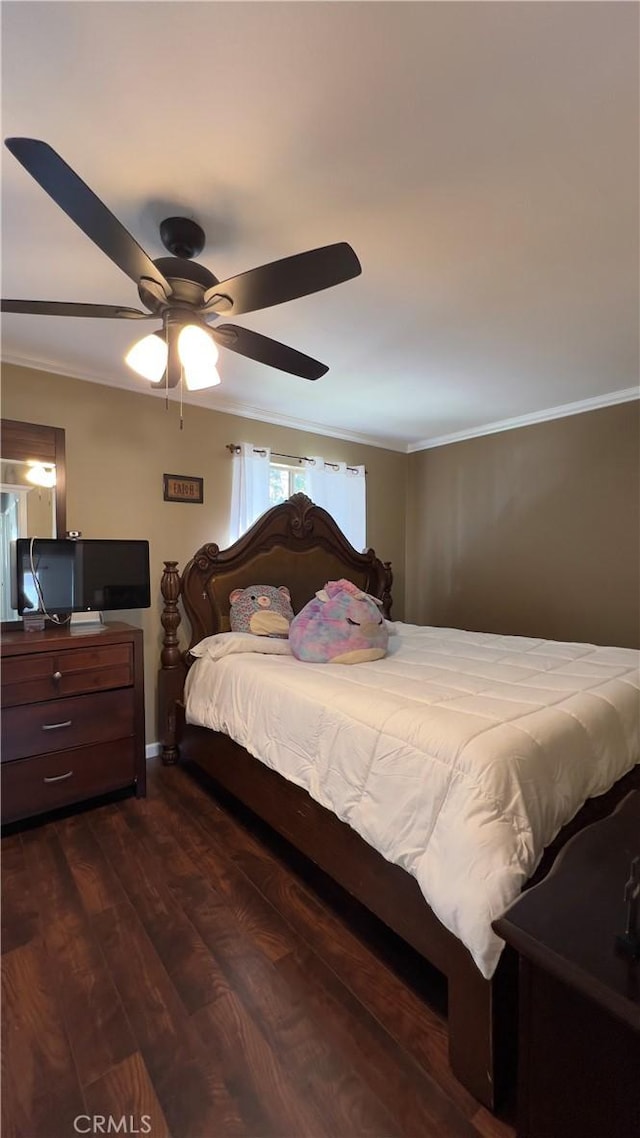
(262, 479)
(284, 481)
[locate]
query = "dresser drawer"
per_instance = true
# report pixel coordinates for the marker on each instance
(33, 786)
(49, 675)
(64, 723)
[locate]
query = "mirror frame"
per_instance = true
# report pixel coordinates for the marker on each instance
(23, 441)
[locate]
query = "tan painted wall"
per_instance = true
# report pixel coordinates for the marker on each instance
(534, 531)
(120, 443)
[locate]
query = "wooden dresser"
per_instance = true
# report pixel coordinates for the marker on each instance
(72, 717)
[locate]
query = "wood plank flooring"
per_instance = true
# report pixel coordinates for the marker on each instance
(170, 961)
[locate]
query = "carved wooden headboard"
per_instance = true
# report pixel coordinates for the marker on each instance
(296, 544)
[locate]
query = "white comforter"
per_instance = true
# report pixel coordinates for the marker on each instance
(459, 756)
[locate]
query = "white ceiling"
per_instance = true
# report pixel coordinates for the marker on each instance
(481, 158)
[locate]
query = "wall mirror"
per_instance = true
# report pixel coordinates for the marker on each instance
(32, 493)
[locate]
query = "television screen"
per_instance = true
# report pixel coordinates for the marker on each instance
(62, 575)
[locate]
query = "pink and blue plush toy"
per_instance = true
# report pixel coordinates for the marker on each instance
(341, 625)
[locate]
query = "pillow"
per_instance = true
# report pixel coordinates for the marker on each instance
(226, 643)
(261, 609)
(341, 625)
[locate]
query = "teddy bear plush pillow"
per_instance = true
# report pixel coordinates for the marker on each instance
(341, 625)
(261, 609)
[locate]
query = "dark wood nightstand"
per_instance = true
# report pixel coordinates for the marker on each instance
(579, 1046)
(72, 717)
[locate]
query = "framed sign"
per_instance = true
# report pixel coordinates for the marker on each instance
(183, 488)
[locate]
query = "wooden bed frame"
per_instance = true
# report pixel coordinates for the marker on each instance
(298, 544)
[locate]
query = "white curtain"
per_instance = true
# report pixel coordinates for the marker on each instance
(341, 490)
(249, 488)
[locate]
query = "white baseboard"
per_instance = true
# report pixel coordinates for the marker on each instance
(152, 749)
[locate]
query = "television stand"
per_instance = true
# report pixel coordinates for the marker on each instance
(88, 620)
(72, 724)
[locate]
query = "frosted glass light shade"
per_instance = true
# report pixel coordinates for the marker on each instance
(198, 355)
(148, 357)
(199, 378)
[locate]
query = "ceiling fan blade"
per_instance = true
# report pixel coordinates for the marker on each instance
(266, 351)
(81, 204)
(284, 280)
(62, 308)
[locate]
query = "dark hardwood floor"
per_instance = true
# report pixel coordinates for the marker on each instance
(171, 961)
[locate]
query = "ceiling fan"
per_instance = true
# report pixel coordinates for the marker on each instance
(184, 295)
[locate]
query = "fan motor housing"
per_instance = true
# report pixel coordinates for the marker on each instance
(189, 281)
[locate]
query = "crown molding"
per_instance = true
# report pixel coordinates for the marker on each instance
(261, 415)
(550, 413)
(245, 411)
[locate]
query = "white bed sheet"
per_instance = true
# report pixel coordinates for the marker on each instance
(458, 756)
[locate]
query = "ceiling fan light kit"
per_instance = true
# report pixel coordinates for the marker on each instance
(183, 294)
(180, 349)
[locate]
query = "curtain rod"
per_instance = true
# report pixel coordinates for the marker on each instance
(235, 449)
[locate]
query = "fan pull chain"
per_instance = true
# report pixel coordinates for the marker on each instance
(166, 370)
(181, 383)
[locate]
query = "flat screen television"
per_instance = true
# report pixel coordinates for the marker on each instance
(61, 575)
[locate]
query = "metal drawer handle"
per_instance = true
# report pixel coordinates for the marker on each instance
(55, 726)
(57, 676)
(58, 777)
